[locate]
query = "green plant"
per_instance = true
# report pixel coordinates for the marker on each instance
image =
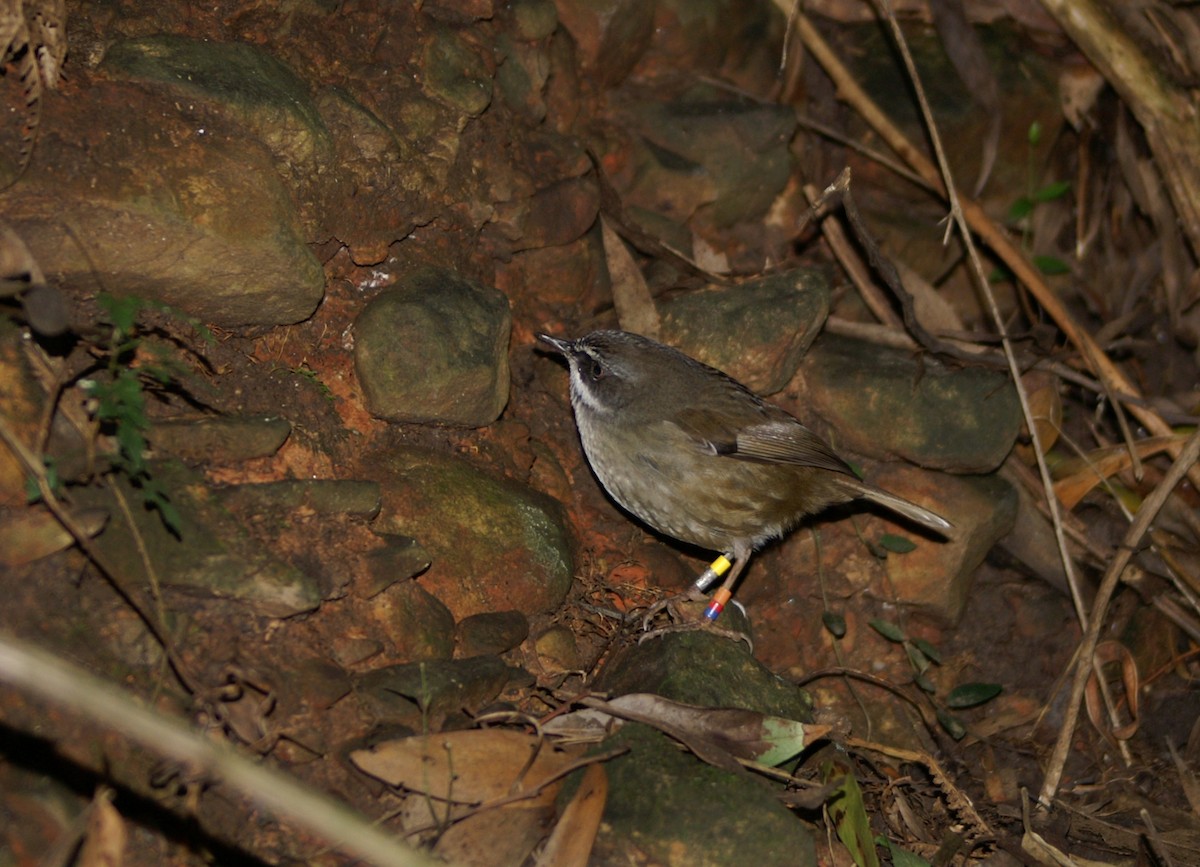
(921, 656)
(1023, 207)
(129, 365)
(312, 376)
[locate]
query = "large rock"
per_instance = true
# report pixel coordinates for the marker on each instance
(667, 805)
(434, 349)
(887, 403)
(777, 317)
(495, 545)
(247, 82)
(210, 556)
(132, 191)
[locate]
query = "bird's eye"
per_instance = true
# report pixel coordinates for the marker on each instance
(597, 369)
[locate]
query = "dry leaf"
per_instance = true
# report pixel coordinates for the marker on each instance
(1106, 652)
(1045, 403)
(106, 835)
(35, 533)
(635, 308)
(1080, 475)
(571, 841)
(470, 767)
(719, 736)
(501, 837)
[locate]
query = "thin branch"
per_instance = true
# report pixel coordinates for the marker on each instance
(37, 672)
(993, 235)
(1188, 456)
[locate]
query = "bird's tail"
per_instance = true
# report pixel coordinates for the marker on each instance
(901, 506)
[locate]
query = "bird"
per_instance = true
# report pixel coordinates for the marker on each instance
(699, 457)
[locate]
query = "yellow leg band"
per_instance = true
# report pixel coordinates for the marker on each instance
(715, 570)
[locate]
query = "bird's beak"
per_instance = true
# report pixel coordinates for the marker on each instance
(566, 347)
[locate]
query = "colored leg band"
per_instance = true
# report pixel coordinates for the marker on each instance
(718, 568)
(717, 605)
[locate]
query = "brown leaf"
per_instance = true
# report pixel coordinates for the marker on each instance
(631, 296)
(1080, 475)
(104, 843)
(34, 534)
(501, 837)
(466, 766)
(1106, 652)
(571, 841)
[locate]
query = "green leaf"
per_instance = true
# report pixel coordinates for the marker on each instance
(849, 815)
(786, 739)
(122, 312)
(971, 694)
(916, 658)
(888, 630)
(897, 544)
(835, 623)
(1053, 191)
(924, 683)
(928, 649)
(951, 724)
(1051, 266)
(1020, 209)
(154, 497)
(901, 857)
(1035, 133)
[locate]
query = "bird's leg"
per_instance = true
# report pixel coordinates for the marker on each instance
(695, 593)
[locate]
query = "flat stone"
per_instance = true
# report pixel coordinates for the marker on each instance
(400, 559)
(887, 403)
(434, 348)
(221, 438)
(432, 689)
(935, 578)
(455, 74)
(211, 556)
(496, 544)
(493, 632)
(322, 496)
(534, 19)
(777, 318)
(194, 217)
(558, 651)
(256, 87)
(417, 622)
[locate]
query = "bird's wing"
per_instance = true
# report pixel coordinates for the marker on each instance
(771, 440)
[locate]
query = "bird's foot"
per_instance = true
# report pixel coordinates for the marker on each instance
(678, 608)
(686, 612)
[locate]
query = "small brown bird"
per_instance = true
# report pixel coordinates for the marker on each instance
(701, 458)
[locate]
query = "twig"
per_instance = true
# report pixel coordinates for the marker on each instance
(854, 266)
(35, 467)
(40, 673)
(1141, 523)
(993, 235)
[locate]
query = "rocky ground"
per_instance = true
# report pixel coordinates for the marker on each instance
(283, 459)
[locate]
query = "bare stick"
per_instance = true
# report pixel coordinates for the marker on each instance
(1141, 523)
(40, 673)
